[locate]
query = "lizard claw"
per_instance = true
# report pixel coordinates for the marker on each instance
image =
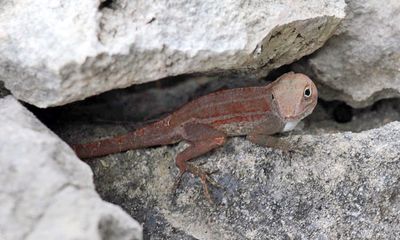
(178, 180)
(204, 176)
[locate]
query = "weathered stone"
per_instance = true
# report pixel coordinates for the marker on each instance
(55, 52)
(361, 64)
(46, 191)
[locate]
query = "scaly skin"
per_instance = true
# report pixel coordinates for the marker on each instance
(204, 123)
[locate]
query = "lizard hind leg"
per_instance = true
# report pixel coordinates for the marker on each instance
(202, 139)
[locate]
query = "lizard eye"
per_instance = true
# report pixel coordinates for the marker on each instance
(272, 96)
(307, 92)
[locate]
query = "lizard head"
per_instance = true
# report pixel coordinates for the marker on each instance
(293, 96)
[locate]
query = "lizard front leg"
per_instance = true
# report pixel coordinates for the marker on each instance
(202, 139)
(270, 141)
(262, 134)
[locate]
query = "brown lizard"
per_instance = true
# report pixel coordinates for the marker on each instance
(205, 123)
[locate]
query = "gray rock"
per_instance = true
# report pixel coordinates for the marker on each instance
(46, 192)
(331, 186)
(361, 64)
(57, 52)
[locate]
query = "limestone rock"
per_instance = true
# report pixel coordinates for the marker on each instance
(56, 52)
(46, 191)
(331, 186)
(361, 64)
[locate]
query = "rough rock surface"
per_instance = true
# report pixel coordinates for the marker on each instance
(46, 192)
(55, 52)
(331, 186)
(361, 64)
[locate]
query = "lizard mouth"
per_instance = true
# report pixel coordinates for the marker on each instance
(296, 116)
(291, 118)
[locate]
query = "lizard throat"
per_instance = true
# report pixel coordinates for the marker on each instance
(290, 125)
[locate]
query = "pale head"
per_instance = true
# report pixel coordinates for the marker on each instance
(293, 96)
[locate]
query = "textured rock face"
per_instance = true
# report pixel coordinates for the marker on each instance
(361, 64)
(57, 52)
(46, 192)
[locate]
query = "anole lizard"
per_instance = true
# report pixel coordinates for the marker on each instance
(205, 123)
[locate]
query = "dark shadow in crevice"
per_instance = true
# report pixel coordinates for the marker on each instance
(342, 113)
(337, 116)
(140, 104)
(3, 91)
(107, 4)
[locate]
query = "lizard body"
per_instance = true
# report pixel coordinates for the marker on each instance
(205, 122)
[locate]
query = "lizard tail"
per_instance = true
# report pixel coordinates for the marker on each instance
(158, 133)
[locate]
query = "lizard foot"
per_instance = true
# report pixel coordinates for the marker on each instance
(204, 176)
